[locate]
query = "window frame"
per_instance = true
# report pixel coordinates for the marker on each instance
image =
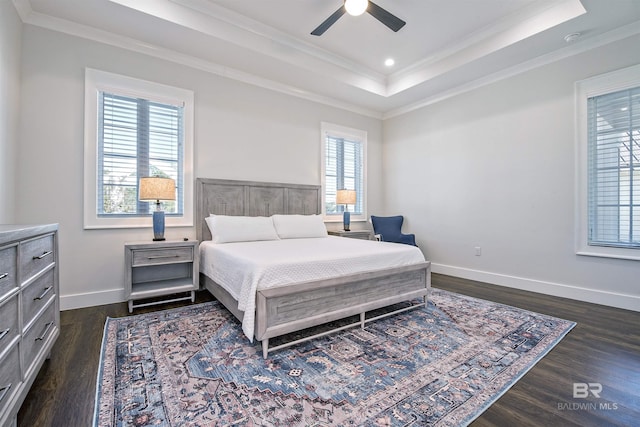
(97, 81)
(351, 134)
(624, 79)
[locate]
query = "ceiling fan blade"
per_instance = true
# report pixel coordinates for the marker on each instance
(329, 22)
(391, 21)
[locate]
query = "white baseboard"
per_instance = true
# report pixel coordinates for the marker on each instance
(92, 299)
(596, 296)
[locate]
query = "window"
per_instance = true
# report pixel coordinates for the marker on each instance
(614, 169)
(343, 167)
(609, 164)
(134, 129)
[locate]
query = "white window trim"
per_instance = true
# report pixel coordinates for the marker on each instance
(96, 81)
(623, 79)
(347, 133)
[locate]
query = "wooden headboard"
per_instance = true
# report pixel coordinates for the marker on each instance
(250, 198)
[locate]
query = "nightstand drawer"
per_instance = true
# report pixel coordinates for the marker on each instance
(10, 377)
(36, 295)
(359, 234)
(35, 256)
(9, 328)
(166, 255)
(8, 262)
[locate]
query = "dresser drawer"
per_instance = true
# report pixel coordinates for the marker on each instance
(35, 339)
(9, 329)
(167, 255)
(36, 295)
(8, 262)
(35, 256)
(10, 377)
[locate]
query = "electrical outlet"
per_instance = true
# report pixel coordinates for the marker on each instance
(478, 251)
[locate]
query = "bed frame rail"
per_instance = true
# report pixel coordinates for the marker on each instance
(290, 308)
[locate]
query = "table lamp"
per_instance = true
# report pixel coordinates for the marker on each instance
(157, 188)
(346, 198)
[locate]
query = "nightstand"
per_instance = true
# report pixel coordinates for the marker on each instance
(358, 234)
(160, 268)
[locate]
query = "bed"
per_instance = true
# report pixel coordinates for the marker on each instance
(323, 292)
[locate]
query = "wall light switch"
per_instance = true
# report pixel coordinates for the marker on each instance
(478, 251)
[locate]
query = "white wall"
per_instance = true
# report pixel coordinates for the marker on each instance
(10, 47)
(241, 132)
(494, 168)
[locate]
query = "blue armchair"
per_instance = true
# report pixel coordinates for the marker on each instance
(389, 228)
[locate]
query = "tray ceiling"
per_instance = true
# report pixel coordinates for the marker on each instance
(445, 47)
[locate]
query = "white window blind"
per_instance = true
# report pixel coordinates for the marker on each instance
(614, 169)
(135, 128)
(344, 168)
(137, 138)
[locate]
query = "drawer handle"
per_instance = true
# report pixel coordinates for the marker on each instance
(3, 275)
(45, 332)
(3, 391)
(44, 292)
(4, 333)
(44, 254)
(163, 256)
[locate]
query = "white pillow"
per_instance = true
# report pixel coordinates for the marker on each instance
(227, 229)
(299, 226)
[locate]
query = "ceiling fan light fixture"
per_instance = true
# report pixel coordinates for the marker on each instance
(356, 7)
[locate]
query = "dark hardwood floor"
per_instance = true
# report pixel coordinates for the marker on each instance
(604, 348)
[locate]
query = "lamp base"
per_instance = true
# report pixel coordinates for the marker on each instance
(158, 226)
(346, 220)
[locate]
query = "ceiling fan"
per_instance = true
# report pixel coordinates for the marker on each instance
(358, 7)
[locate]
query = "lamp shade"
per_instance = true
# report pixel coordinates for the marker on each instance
(346, 197)
(154, 188)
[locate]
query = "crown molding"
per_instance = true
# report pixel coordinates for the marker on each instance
(220, 23)
(612, 36)
(513, 29)
(23, 7)
(30, 17)
(219, 13)
(209, 18)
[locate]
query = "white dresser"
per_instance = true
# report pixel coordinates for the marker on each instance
(29, 309)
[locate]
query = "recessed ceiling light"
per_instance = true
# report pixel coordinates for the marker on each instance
(572, 37)
(389, 62)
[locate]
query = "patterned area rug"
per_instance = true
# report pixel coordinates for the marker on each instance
(440, 365)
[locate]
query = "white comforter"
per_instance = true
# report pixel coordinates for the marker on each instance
(244, 267)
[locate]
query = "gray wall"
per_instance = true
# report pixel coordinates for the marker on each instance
(10, 47)
(495, 168)
(241, 132)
